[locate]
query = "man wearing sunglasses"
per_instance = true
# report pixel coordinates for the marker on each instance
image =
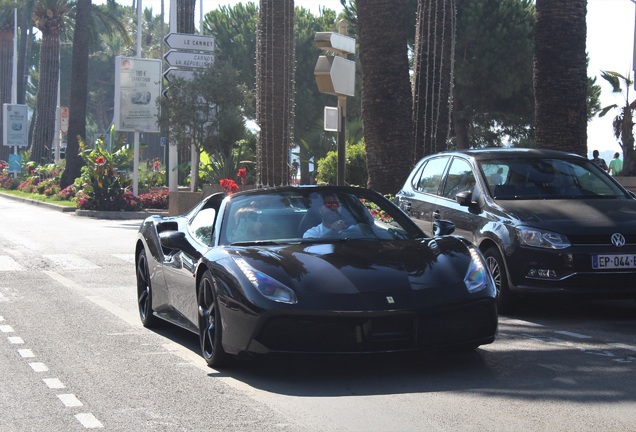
(332, 221)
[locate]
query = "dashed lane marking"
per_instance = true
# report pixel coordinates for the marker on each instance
(70, 400)
(26, 353)
(16, 340)
(6, 329)
(39, 367)
(54, 383)
(88, 420)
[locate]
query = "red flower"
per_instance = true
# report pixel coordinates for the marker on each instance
(100, 160)
(155, 165)
(229, 185)
(242, 173)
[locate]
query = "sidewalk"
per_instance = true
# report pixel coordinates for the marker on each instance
(97, 214)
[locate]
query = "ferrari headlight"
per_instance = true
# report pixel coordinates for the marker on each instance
(270, 288)
(542, 239)
(477, 277)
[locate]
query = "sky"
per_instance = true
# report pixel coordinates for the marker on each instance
(610, 41)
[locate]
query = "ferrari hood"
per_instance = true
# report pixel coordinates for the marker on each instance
(574, 216)
(357, 266)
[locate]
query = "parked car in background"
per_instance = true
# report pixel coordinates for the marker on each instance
(548, 222)
(312, 270)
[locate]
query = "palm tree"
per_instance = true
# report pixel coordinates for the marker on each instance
(623, 123)
(386, 93)
(49, 16)
(24, 47)
(275, 67)
(6, 60)
(79, 93)
(88, 21)
(560, 75)
(433, 75)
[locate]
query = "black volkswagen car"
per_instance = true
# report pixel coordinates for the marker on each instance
(548, 222)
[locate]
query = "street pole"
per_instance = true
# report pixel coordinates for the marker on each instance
(172, 149)
(342, 122)
(136, 145)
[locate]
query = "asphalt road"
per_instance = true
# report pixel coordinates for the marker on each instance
(73, 356)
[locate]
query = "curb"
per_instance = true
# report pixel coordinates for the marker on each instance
(97, 214)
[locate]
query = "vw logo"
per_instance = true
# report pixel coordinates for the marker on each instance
(618, 240)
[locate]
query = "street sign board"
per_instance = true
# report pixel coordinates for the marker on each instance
(171, 74)
(335, 42)
(16, 127)
(335, 75)
(185, 59)
(191, 42)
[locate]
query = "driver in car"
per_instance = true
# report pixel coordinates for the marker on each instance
(332, 221)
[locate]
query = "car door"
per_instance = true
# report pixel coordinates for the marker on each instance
(460, 177)
(421, 201)
(181, 267)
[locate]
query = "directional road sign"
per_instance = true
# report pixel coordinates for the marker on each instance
(335, 75)
(185, 59)
(191, 42)
(171, 74)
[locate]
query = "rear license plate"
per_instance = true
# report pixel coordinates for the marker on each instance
(613, 261)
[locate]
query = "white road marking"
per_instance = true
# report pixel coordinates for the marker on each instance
(130, 258)
(69, 400)
(70, 262)
(1, 318)
(54, 383)
(15, 340)
(9, 264)
(26, 353)
(88, 420)
(64, 281)
(124, 315)
(39, 367)
(574, 335)
(6, 329)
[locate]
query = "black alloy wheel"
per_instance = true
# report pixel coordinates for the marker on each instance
(144, 292)
(506, 300)
(210, 331)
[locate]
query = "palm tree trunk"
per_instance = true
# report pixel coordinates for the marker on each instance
(434, 55)
(44, 128)
(6, 74)
(560, 76)
(275, 66)
(26, 28)
(386, 93)
(79, 93)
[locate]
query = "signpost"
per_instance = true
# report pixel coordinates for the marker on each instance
(188, 59)
(188, 53)
(335, 75)
(189, 42)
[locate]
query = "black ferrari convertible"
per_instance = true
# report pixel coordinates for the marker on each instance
(312, 269)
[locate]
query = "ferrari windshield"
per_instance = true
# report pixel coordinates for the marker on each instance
(533, 178)
(310, 215)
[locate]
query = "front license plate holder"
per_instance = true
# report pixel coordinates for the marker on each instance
(620, 261)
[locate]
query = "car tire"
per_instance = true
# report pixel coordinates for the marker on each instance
(506, 300)
(144, 291)
(210, 329)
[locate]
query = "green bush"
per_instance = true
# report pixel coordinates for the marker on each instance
(101, 185)
(355, 166)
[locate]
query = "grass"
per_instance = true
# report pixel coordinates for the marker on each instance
(39, 197)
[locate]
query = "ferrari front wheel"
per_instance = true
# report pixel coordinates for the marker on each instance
(144, 291)
(210, 330)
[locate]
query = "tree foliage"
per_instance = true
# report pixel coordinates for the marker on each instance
(623, 122)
